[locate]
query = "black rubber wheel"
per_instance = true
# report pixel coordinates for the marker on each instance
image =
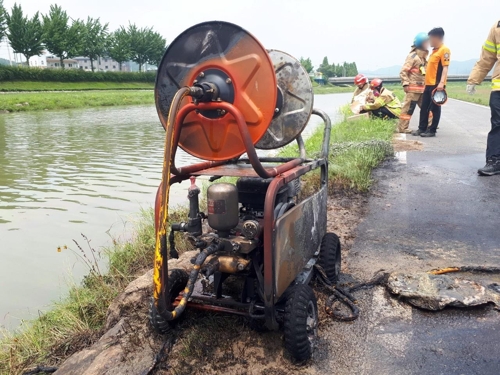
(330, 256)
(300, 322)
(177, 281)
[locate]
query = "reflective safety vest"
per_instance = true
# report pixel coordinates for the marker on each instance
(490, 55)
(386, 99)
(413, 71)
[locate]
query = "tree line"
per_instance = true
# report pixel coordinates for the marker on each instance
(67, 38)
(331, 70)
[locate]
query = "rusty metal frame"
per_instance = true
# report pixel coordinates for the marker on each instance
(291, 169)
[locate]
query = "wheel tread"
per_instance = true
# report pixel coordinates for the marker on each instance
(330, 250)
(296, 338)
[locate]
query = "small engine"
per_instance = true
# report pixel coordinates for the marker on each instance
(252, 194)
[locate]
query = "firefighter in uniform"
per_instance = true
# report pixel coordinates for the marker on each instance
(490, 55)
(435, 79)
(362, 89)
(381, 102)
(413, 80)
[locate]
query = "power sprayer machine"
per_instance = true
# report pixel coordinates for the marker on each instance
(220, 96)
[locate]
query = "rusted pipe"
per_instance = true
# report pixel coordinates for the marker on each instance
(245, 136)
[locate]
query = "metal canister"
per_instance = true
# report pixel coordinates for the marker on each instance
(223, 212)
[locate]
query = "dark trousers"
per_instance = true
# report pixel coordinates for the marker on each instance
(493, 144)
(382, 113)
(427, 107)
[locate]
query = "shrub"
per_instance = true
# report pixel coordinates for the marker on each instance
(18, 73)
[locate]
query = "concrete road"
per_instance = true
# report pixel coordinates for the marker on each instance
(430, 209)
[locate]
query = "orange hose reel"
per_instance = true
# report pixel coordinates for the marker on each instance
(227, 54)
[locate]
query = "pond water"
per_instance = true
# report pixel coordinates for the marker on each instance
(64, 173)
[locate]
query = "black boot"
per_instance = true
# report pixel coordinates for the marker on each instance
(491, 168)
(428, 134)
(417, 132)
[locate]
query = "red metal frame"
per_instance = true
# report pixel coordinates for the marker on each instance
(281, 174)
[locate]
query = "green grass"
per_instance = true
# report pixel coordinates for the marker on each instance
(71, 86)
(456, 90)
(82, 313)
(355, 149)
(330, 89)
(17, 102)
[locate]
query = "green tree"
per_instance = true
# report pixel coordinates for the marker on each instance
(352, 70)
(25, 35)
(61, 38)
(146, 45)
(158, 46)
(118, 46)
(327, 69)
(94, 40)
(307, 64)
(3, 24)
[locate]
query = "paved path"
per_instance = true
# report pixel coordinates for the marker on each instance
(431, 210)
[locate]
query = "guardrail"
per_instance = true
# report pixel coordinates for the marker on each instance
(339, 81)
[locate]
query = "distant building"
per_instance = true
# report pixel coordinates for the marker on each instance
(102, 64)
(317, 77)
(47, 60)
(54, 62)
(38, 61)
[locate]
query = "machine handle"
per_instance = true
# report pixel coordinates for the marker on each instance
(326, 135)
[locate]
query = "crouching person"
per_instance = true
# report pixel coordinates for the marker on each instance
(381, 102)
(362, 89)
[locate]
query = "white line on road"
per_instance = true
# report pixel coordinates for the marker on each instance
(474, 104)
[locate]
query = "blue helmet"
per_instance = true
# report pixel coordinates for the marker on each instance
(420, 39)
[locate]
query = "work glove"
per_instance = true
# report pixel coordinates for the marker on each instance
(471, 89)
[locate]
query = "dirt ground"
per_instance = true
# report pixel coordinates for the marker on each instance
(406, 145)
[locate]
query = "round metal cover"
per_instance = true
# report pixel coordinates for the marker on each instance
(295, 87)
(222, 46)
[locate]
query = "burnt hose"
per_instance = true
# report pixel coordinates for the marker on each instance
(160, 273)
(193, 276)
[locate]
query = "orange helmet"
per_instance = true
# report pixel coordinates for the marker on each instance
(376, 84)
(360, 79)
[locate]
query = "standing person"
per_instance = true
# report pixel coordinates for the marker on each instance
(435, 79)
(381, 102)
(413, 80)
(490, 55)
(362, 89)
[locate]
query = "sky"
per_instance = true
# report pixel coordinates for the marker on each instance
(374, 34)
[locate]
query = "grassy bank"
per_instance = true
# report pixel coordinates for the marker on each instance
(330, 89)
(456, 90)
(17, 102)
(72, 86)
(355, 149)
